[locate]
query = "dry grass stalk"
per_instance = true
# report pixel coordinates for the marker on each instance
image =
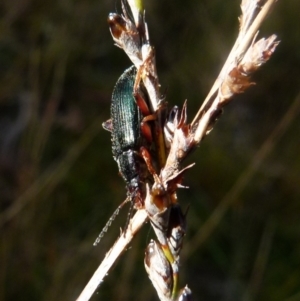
(247, 55)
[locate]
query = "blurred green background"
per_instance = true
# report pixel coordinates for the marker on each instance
(59, 183)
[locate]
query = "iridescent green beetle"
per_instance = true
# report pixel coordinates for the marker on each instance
(127, 136)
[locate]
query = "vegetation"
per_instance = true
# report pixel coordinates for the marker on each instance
(59, 183)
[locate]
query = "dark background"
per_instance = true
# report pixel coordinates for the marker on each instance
(59, 183)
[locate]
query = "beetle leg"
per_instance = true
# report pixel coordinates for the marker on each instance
(141, 102)
(147, 157)
(158, 187)
(146, 131)
(107, 125)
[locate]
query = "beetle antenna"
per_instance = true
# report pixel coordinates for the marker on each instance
(129, 216)
(111, 219)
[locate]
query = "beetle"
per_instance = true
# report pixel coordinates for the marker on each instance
(127, 135)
